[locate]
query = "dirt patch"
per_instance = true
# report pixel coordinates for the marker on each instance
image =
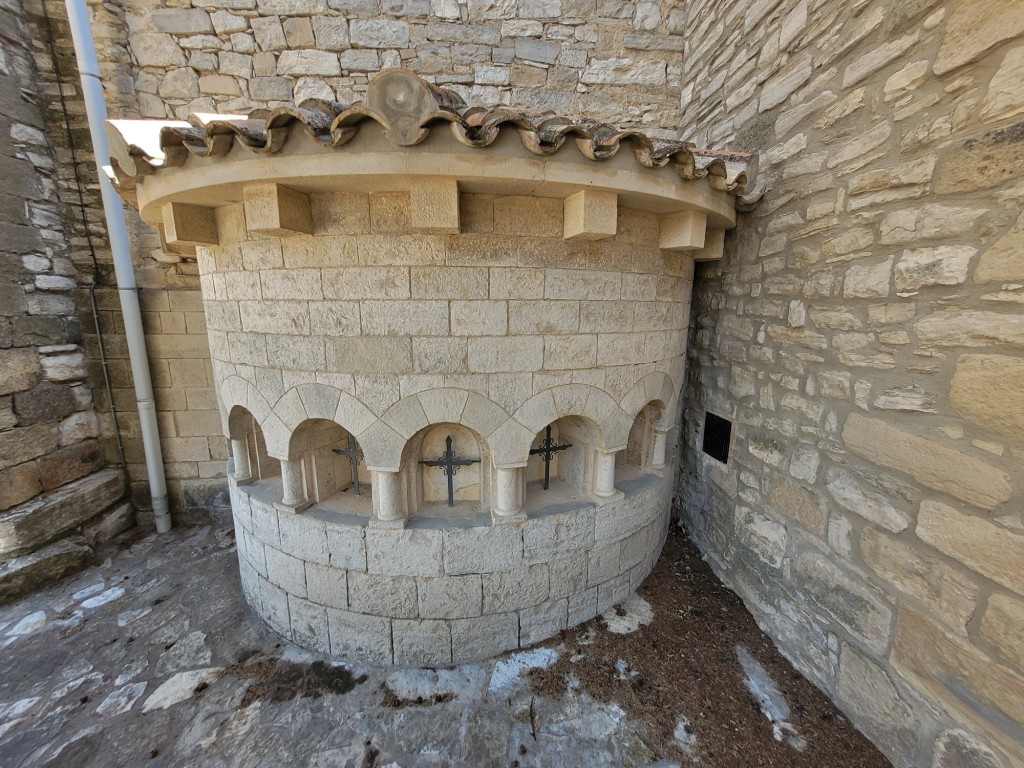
(681, 679)
(278, 680)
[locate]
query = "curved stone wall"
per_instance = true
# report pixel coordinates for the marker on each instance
(430, 596)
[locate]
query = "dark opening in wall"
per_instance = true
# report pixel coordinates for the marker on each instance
(717, 433)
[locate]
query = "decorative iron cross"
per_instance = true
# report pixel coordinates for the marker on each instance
(547, 450)
(450, 463)
(355, 455)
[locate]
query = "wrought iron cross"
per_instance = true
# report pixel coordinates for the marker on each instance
(547, 450)
(355, 455)
(450, 463)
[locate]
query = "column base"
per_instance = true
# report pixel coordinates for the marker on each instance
(612, 497)
(516, 519)
(293, 510)
(393, 525)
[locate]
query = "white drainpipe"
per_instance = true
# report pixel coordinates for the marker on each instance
(117, 231)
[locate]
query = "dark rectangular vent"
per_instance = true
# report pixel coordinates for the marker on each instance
(717, 433)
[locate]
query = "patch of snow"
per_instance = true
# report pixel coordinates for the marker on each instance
(89, 591)
(624, 672)
(71, 621)
(121, 699)
(180, 688)
(588, 638)
(31, 623)
(686, 739)
(17, 708)
(629, 617)
(507, 671)
(769, 698)
(112, 594)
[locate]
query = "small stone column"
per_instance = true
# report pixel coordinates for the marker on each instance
(240, 454)
(658, 454)
(604, 473)
(508, 505)
(294, 491)
(387, 499)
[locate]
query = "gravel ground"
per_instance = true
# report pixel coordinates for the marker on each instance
(153, 659)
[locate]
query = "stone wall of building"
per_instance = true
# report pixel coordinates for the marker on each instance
(56, 496)
(865, 335)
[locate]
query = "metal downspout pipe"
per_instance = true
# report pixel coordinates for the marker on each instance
(117, 230)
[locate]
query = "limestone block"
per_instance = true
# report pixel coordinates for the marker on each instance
(404, 552)
(950, 594)
(624, 71)
(570, 352)
(529, 317)
(347, 547)
(366, 283)
(867, 692)
(285, 571)
(498, 354)
(46, 517)
(273, 209)
(305, 538)
(296, 353)
(180, 83)
(370, 354)
(404, 318)
(540, 51)
(308, 62)
(581, 284)
(512, 283)
(929, 462)
(542, 621)
(444, 405)
(449, 597)
(449, 282)
(986, 547)
(1005, 96)
(156, 50)
(406, 417)
(956, 749)
(439, 355)
(925, 267)
(271, 88)
(683, 231)
(871, 505)
(762, 535)
(482, 414)
(927, 655)
(485, 637)
(22, 575)
(868, 280)
(308, 624)
(19, 369)
(590, 214)
(612, 593)
(379, 33)
(1004, 259)
(971, 328)
(422, 643)
(562, 534)
(19, 483)
(482, 550)
(973, 28)
(848, 599)
(359, 638)
(479, 318)
(287, 317)
(713, 248)
(1002, 625)
(331, 33)
(189, 225)
(569, 575)
(274, 602)
(989, 389)
(393, 596)
(434, 206)
(516, 588)
(335, 318)
(582, 606)
(603, 564)
(264, 523)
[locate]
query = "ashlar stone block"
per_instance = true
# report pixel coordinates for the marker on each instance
(422, 642)
(449, 597)
(360, 638)
(189, 225)
(683, 231)
(273, 209)
(590, 214)
(434, 206)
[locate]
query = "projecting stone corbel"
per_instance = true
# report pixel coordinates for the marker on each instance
(189, 225)
(271, 209)
(434, 206)
(714, 245)
(683, 231)
(591, 214)
(178, 248)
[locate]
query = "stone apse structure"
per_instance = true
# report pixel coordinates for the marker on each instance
(380, 282)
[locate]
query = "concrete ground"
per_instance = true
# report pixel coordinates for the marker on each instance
(153, 659)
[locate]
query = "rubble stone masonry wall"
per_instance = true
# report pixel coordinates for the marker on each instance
(865, 334)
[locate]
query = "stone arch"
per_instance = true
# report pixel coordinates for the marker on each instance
(249, 455)
(324, 473)
(384, 440)
(656, 386)
(236, 391)
(425, 488)
(611, 423)
(571, 469)
(640, 446)
(313, 401)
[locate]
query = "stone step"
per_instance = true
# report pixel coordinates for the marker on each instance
(24, 574)
(31, 525)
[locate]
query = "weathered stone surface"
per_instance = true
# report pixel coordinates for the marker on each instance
(923, 267)
(393, 596)
(449, 597)
(957, 749)
(482, 550)
(1002, 625)
(1004, 259)
(378, 33)
(972, 29)
(46, 517)
(422, 642)
(971, 328)
(308, 62)
(765, 537)
(949, 593)
(868, 280)
(360, 638)
(19, 369)
(985, 547)
(69, 463)
(1005, 96)
(928, 461)
(798, 504)
(484, 637)
(23, 444)
(989, 389)
(21, 575)
(19, 483)
(869, 504)
(848, 599)
(181, 21)
(867, 692)
(624, 72)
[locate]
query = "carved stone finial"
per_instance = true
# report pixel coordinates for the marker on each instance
(404, 103)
